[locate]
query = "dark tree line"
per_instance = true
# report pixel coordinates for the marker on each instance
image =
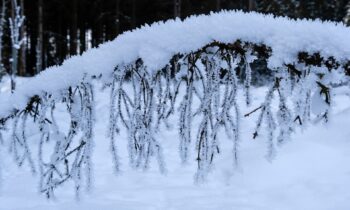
(57, 29)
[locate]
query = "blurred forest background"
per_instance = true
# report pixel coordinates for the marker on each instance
(53, 30)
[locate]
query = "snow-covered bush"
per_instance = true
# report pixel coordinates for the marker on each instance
(157, 72)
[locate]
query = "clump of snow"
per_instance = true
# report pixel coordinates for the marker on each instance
(155, 44)
(319, 106)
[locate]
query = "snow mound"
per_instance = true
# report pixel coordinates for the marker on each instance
(157, 43)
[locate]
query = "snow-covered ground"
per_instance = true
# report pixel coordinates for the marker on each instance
(311, 172)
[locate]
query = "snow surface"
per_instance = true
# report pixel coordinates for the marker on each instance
(309, 173)
(157, 43)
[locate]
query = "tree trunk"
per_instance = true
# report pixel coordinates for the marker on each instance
(133, 14)
(177, 8)
(82, 36)
(23, 51)
(39, 50)
(73, 30)
(252, 5)
(14, 57)
(117, 17)
(218, 5)
(347, 15)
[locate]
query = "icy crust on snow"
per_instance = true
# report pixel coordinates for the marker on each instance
(157, 43)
